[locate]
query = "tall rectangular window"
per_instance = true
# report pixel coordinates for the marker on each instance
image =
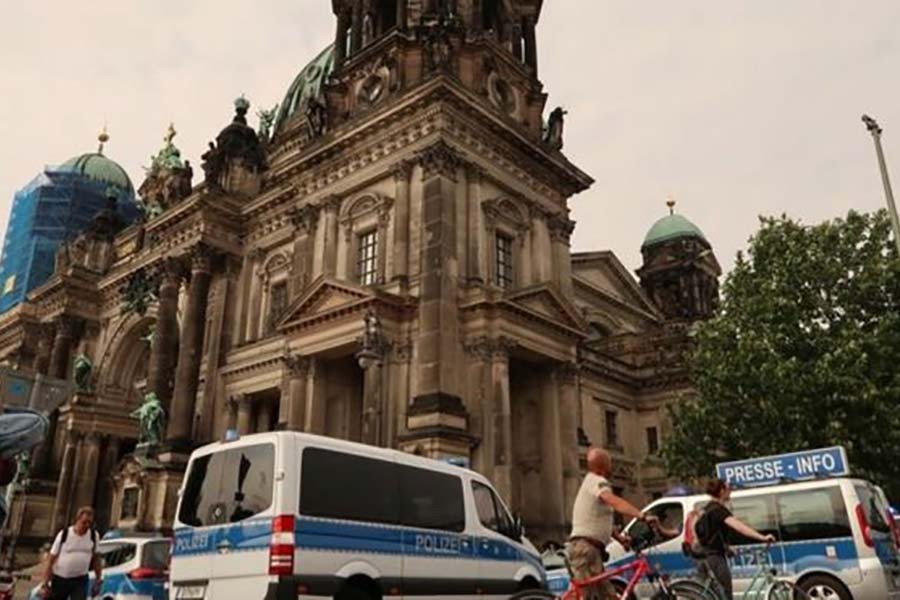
(612, 429)
(652, 440)
(367, 258)
(504, 261)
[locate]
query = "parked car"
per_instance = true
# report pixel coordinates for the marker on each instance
(134, 568)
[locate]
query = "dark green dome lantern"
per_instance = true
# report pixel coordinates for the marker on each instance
(680, 271)
(672, 227)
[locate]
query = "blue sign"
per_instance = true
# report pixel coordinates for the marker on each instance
(796, 466)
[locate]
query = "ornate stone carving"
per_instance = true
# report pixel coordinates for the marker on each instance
(403, 351)
(438, 49)
(561, 228)
(151, 420)
(201, 257)
(297, 365)
(81, 373)
(316, 117)
(440, 159)
(332, 203)
(305, 218)
(488, 348)
(403, 169)
(139, 292)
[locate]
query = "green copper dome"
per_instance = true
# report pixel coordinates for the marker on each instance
(672, 227)
(99, 168)
(308, 84)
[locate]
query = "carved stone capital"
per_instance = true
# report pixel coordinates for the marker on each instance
(440, 159)
(488, 348)
(171, 271)
(297, 366)
(475, 173)
(561, 228)
(332, 203)
(201, 257)
(567, 373)
(305, 218)
(403, 351)
(256, 254)
(402, 170)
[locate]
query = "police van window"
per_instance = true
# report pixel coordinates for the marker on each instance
(114, 555)
(756, 511)
(431, 499)
(813, 515)
(484, 504)
(155, 555)
(337, 485)
(873, 507)
(228, 486)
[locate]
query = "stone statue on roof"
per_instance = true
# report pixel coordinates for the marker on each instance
(553, 133)
(168, 179)
(82, 373)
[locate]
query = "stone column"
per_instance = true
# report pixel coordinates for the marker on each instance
(264, 416)
(356, 32)
(567, 376)
(530, 45)
(438, 312)
(560, 232)
(372, 399)
(190, 351)
(305, 220)
(87, 460)
(160, 371)
(316, 407)
(61, 503)
(551, 459)
(517, 41)
(340, 39)
(474, 178)
(401, 14)
(257, 287)
(244, 415)
(500, 412)
(330, 243)
(402, 173)
(108, 464)
(292, 413)
(62, 347)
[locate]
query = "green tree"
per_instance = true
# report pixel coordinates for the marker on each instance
(803, 353)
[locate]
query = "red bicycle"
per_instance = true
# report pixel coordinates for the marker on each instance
(640, 568)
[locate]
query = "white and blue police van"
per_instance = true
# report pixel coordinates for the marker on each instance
(134, 567)
(291, 515)
(836, 537)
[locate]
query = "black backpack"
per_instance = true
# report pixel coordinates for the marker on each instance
(95, 538)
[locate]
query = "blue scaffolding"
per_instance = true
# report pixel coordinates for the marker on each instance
(53, 208)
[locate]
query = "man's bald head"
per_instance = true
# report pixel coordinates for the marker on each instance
(599, 462)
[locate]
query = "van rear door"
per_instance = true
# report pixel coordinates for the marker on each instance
(875, 532)
(194, 543)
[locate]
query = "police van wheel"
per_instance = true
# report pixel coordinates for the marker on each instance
(822, 587)
(785, 590)
(350, 592)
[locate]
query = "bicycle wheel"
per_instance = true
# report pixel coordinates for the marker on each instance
(532, 595)
(689, 589)
(785, 590)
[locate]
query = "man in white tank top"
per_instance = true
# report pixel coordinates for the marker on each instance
(592, 523)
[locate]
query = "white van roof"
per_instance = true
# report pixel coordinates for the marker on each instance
(339, 444)
(692, 499)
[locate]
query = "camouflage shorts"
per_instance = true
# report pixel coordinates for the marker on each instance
(586, 561)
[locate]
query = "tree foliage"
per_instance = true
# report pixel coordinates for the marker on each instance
(803, 353)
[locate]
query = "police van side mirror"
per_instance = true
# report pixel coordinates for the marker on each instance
(518, 528)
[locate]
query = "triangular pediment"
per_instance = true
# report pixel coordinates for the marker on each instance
(324, 296)
(604, 272)
(546, 302)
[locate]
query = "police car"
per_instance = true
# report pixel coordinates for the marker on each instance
(134, 568)
(836, 535)
(288, 515)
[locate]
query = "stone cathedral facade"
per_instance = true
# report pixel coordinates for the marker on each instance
(386, 260)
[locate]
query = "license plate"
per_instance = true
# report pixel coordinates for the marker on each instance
(190, 592)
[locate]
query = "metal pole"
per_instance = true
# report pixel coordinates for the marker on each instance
(875, 130)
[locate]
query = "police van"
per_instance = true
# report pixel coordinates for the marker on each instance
(290, 515)
(836, 537)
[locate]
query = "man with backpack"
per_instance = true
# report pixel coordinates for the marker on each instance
(706, 533)
(72, 556)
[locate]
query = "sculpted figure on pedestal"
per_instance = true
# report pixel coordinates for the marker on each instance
(151, 420)
(82, 373)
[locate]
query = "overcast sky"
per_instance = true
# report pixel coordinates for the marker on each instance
(735, 108)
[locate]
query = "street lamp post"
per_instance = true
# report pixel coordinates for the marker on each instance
(875, 130)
